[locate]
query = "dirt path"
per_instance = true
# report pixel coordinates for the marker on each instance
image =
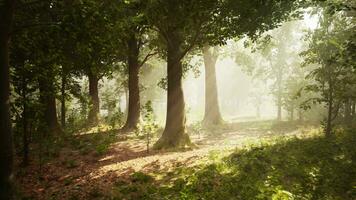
(97, 173)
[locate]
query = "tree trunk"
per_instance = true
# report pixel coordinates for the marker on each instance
(48, 101)
(6, 145)
(25, 138)
(353, 110)
(133, 114)
(348, 111)
(279, 95)
(279, 107)
(291, 117)
(93, 117)
(212, 116)
(63, 101)
(300, 115)
(126, 102)
(292, 114)
(174, 134)
(328, 128)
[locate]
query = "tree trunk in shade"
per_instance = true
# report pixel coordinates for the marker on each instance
(212, 116)
(48, 101)
(63, 101)
(94, 105)
(133, 114)
(174, 134)
(6, 145)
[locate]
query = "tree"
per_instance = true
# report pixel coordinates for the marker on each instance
(136, 37)
(273, 59)
(212, 116)
(179, 36)
(6, 148)
(329, 48)
(203, 22)
(95, 46)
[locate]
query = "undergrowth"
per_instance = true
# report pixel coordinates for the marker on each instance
(294, 168)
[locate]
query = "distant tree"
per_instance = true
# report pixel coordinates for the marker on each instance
(274, 57)
(212, 115)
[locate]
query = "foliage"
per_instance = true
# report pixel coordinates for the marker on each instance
(334, 75)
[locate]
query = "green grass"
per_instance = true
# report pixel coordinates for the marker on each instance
(309, 168)
(97, 142)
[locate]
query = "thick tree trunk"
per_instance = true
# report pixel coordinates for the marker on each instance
(48, 101)
(6, 145)
(212, 116)
(133, 114)
(63, 102)
(126, 91)
(93, 117)
(174, 134)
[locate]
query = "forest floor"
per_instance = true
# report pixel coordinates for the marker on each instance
(90, 164)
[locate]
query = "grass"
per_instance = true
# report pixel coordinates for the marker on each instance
(98, 142)
(294, 168)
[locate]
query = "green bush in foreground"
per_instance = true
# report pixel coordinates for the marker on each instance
(311, 168)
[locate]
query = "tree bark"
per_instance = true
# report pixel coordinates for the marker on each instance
(48, 100)
(93, 117)
(212, 116)
(6, 145)
(133, 114)
(174, 134)
(126, 91)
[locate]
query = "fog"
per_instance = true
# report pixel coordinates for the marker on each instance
(238, 91)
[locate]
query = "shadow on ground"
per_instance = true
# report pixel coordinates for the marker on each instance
(312, 168)
(90, 164)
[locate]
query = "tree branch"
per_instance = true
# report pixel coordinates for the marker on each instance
(147, 57)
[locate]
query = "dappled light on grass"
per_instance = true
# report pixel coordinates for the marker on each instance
(96, 129)
(307, 168)
(93, 163)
